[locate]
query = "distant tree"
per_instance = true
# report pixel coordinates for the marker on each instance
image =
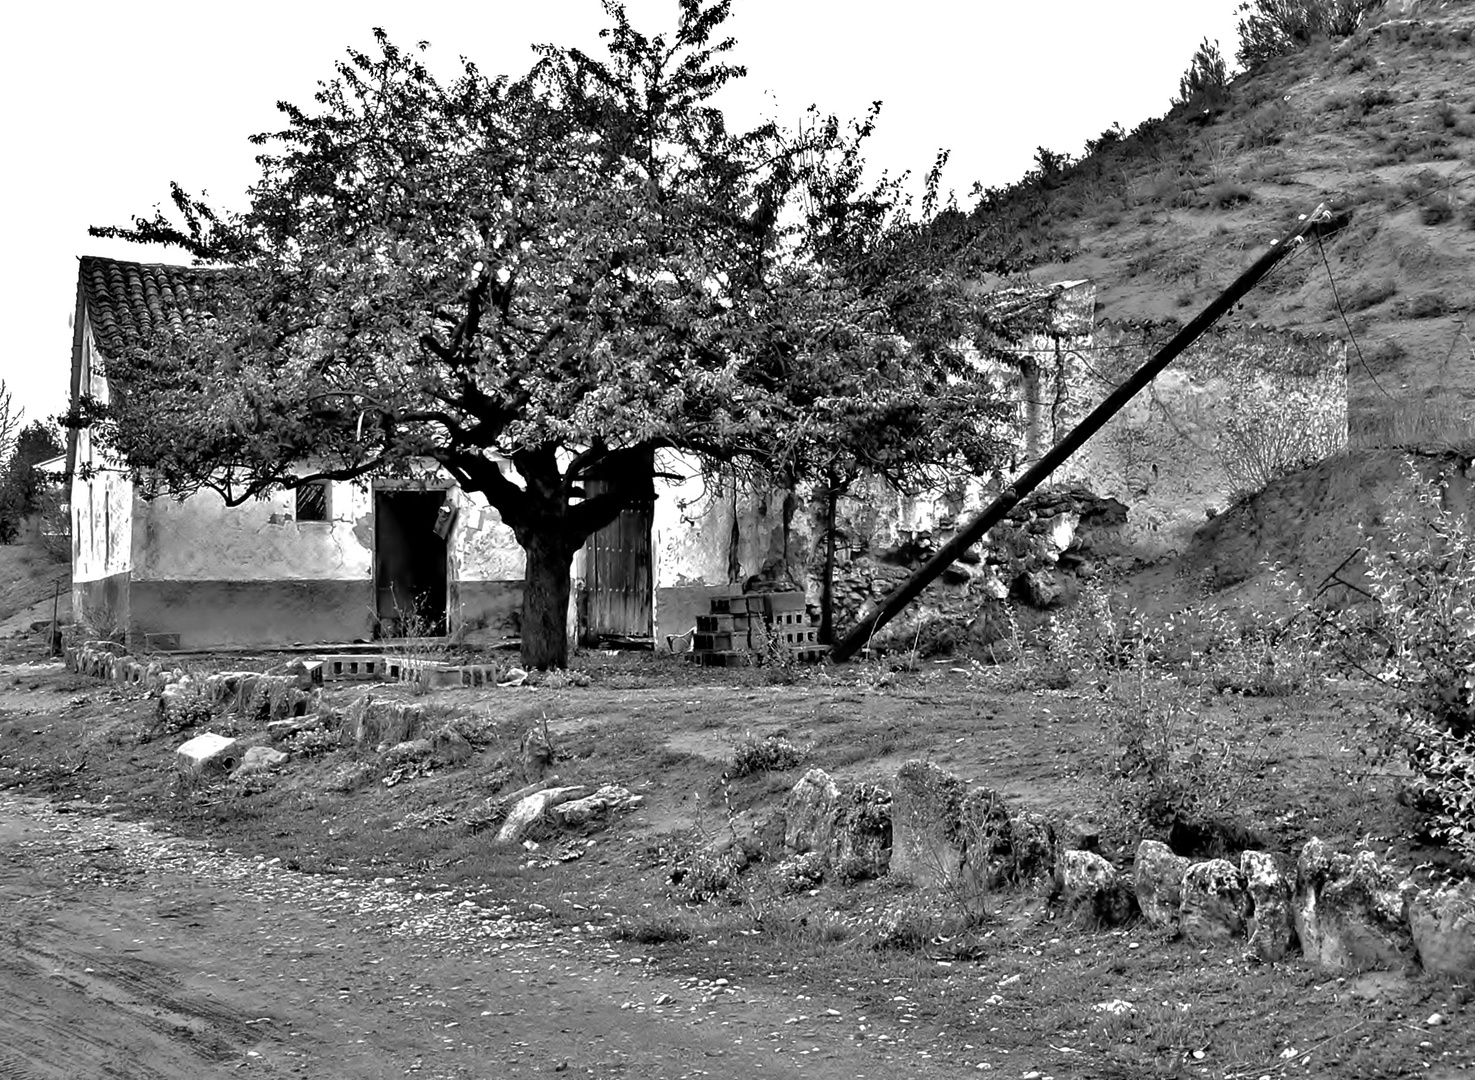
(22, 485)
(10, 420)
(1271, 28)
(1207, 79)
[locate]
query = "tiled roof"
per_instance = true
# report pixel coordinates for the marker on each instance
(128, 303)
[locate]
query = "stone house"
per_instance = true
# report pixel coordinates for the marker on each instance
(342, 561)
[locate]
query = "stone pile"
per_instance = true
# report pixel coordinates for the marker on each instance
(1347, 912)
(1038, 556)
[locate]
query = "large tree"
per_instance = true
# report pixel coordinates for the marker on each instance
(532, 282)
(563, 272)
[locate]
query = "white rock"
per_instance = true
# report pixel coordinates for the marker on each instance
(260, 759)
(207, 751)
(522, 818)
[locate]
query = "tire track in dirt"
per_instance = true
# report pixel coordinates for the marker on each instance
(134, 956)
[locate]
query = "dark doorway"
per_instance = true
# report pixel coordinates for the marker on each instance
(617, 569)
(409, 564)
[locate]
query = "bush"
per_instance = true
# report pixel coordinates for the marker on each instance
(1369, 294)
(1436, 210)
(1206, 82)
(773, 753)
(1271, 28)
(1422, 573)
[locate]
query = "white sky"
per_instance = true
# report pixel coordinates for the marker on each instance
(106, 102)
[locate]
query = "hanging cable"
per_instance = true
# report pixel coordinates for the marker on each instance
(1342, 312)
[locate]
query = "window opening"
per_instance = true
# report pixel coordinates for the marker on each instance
(312, 501)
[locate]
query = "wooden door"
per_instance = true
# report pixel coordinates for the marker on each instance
(617, 571)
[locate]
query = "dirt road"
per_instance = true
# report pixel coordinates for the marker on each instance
(131, 954)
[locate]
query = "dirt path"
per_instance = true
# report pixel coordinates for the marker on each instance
(127, 953)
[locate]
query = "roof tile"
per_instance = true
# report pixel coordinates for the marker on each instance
(128, 302)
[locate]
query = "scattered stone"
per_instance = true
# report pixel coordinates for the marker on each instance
(258, 759)
(1443, 926)
(206, 753)
(515, 677)
(1090, 885)
(1213, 902)
(449, 746)
(529, 813)
(1269, 926)
(925, 846)
(592, 809)
(1350, 910)
(350, 776)
(1158, 876)
(409, 750)
(1435, 1019)
(809, 813)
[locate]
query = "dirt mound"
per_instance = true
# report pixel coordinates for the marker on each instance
(1312, 523)
(28, 580)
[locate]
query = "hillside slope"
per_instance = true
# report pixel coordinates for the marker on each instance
(1381, 124)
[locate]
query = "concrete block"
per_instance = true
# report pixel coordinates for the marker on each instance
(352, 667)
(206, 753)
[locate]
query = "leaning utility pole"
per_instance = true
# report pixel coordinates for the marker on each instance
(1320, 222)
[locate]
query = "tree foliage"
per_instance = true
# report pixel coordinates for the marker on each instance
(1271, 28)
(23, 487)
(1207, 77)
(530, 282)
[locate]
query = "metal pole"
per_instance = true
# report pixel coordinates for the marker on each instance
(1319, 222)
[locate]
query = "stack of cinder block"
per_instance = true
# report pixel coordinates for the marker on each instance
(741, 628)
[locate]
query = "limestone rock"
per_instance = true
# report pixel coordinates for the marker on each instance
(1090, 885)
(368, 722)
(925, 846)
(350, 776)
(1349, 911)
(206, 753)
(1158, 875)
(1213, 903)
(809, 813)
(449, 746)
(1443, 926)
(409, 750)
(860, 840)
(1269, 926)
(604, 803)
(1032, 846)
(530, 811)
(260, 759)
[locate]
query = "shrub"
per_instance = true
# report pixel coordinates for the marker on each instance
(1425, 306)
(708, 874)
(1207, 79)
(1271, 28)
(1436, 210)
(773, 753)
(1422, 573)
(1273, 428)
(1369, 294)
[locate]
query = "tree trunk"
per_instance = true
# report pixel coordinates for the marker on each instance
(827, 586)
(545, 595)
